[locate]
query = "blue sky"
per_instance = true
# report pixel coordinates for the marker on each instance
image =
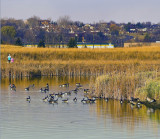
(88, 11)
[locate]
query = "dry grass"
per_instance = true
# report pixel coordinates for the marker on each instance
(55, 61)
(126, 85)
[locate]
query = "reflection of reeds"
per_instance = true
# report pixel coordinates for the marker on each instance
(123, 114)
(124, 85)
(52, 61)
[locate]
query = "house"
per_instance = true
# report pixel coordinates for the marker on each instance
(91, 45)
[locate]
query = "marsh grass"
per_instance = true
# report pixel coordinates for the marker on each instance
(151, 89)
(126, 85)
(55, 61)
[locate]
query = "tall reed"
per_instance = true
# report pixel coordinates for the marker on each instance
(54, 61)
(125, 85)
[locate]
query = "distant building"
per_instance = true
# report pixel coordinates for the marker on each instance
(89, 45)
(44, 22)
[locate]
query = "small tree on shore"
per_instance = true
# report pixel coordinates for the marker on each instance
(72, 43)
(18, 42)
(41, 43)
(147, 38)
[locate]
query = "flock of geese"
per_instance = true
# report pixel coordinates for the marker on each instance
(54, 97)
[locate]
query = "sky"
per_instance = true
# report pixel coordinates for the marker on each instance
(87, 11)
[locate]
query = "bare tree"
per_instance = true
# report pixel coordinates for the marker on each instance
(33, 21)
(64, 21)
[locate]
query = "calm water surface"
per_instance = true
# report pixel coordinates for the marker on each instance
(37, 119)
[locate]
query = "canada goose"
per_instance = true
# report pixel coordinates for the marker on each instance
(107, 99)
(28, 98)
(47, 87)
(139, 105)
(133, 102)
(134, 99)
(86, 91)
(79, 87)
(51, 100)
(46, 99)
(85, 101)
(121, 101)
(31, 86)
(26, 89)
(150, 100)
(65, 100)
(74, 91)
(75, 99)
(92, 101)
(55, 100)
(60, 85)
(43, 90)
(67, 93)
(65, 85)
(136, 104)
(51, 95)
(60, 94)
(12, 87)
(77, 84)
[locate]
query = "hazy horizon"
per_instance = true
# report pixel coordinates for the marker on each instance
(87, 11)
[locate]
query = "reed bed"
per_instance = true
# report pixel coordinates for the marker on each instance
(55, 61)
(129, 84)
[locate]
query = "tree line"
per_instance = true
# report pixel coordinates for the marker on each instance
(65, 31)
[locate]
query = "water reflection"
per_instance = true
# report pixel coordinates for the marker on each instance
(125, 114)
(100, 120)
(41, 81)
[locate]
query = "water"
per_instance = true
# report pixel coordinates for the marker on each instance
(20, 119)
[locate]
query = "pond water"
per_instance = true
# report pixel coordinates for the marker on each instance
(20, 119)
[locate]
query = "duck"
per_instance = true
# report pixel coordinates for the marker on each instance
(65, 100)
(75, 99)
(28, 98)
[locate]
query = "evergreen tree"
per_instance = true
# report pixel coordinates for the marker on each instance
(18, 42)
(41, 43)
(72, 43)
(147, 38)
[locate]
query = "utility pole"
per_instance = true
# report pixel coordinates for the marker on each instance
(93, 40)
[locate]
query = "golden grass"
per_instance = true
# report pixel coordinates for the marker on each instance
(55, 61)
(126, 85)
